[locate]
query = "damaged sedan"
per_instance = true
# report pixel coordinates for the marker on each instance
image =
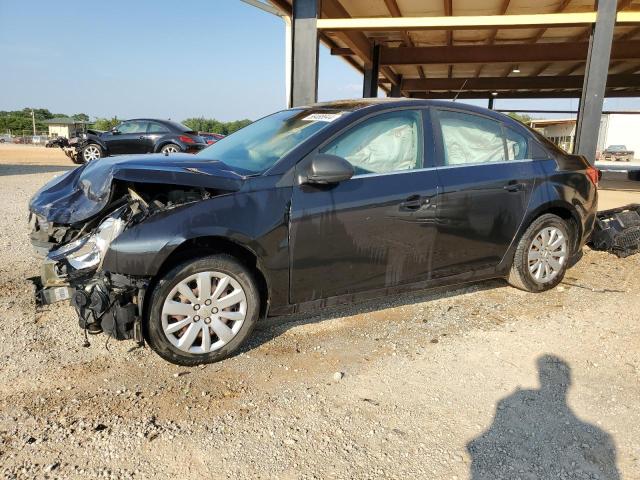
(303, 209)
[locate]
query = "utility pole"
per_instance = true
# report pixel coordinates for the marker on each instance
(33, 121)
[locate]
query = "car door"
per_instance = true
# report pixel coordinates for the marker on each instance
(129, 137)
(487, 180)
(376, 229)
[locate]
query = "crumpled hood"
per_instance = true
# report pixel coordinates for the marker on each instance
(83, 192)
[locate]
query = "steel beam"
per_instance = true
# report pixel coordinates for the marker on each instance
(512, 83)
(503, 53)
(396, 91)
(304, 68)
(595, 81)
(371, 72)
(628, 93)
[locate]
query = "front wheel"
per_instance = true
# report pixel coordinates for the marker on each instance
(542, 255)
(202, 310)
(90, 152)
(170, 148)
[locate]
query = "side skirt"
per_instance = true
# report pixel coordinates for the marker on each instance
(314, 305)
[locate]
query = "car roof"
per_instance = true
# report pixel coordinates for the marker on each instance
(385, 103)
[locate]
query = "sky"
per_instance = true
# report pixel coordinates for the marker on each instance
(141, 58)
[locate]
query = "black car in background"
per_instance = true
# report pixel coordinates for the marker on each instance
(141, 135)
(307, 208)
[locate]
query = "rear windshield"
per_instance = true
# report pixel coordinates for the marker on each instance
(260, 145)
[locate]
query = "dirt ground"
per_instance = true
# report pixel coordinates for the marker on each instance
(480, 382)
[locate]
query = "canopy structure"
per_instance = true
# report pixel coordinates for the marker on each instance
(475, 49)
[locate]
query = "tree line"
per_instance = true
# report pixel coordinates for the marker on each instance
(18, 121)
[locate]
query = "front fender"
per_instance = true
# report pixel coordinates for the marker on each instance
(255, 220)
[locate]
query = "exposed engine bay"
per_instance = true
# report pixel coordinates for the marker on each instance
(104, 301)
(75, 218)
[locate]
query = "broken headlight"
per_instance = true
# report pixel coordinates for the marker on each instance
(88, 251)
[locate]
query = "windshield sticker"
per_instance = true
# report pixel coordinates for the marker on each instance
(322, 117)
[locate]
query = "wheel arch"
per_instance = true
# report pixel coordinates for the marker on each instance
(161, 143)
(565, 211)
(206, 245)
(560, 208)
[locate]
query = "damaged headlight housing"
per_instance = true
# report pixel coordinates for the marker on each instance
(89, 251)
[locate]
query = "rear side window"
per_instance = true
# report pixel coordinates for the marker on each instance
(155, 127)
(470, 139)
(388, 142)
(516, 145)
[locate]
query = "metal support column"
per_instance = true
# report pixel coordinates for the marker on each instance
(304, 58)
(370, 85)
(490, 104)
(595, 80)
(396, 90)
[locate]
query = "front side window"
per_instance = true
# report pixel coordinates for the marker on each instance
(133, 126)
(470, 139)
(385, 143)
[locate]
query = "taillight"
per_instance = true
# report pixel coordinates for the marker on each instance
(185, 139)
(594, 175)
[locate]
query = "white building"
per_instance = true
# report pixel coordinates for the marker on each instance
(65, 127)
(615, 129)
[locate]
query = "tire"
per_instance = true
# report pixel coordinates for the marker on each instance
(540, 246)
(170, 148)
(180, 338)
(91, 151)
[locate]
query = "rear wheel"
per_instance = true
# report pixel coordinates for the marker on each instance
(170, 148)
(542, 255)
(203, 310)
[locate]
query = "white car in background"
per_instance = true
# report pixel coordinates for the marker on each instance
(6, 138)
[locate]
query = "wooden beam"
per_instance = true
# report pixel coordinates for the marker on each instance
(394, 10)
(492, 36)
(356, 41)
(474, 22)
(538, 36)
(629, 93)
(512, 83)
(628, 17)
(504, 53)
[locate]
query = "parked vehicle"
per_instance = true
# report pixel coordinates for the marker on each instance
(60, 142)
(306, 208)
(211, 138)
(136, 136)
(618, 153)
(6, 138)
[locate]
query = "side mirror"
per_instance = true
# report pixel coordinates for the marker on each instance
(115, 131)
(325, 169)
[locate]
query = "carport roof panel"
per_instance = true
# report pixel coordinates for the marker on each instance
(342, 42)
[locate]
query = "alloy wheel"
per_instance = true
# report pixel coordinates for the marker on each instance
(547, 254)
(204, 312)
(170, 149)
(91, 152)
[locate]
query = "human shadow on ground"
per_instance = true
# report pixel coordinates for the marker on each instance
(536, 435)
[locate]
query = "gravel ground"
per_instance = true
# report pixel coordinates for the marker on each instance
(482, 382)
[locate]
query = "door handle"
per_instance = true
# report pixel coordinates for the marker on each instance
(414, 202)
(514, 187)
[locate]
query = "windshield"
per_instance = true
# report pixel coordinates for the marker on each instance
(259, 146)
